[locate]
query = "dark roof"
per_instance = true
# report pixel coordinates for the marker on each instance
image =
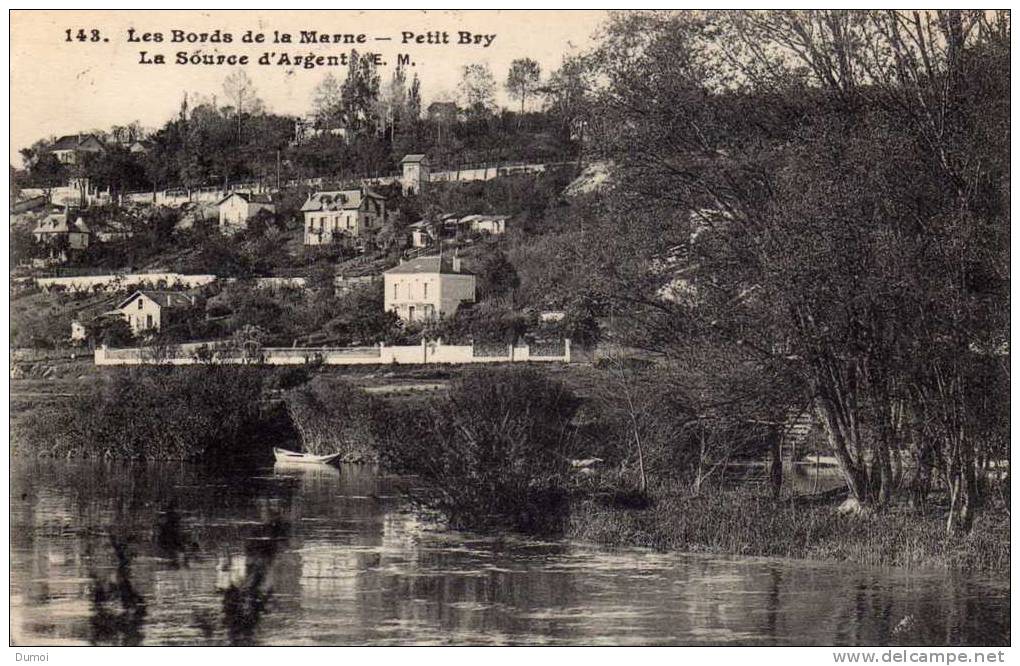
(165, 299)
(72, 141)
(249, 197)
(431, 264)
(339, 199)
(56, 223)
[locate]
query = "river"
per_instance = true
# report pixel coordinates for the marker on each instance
(170, 554)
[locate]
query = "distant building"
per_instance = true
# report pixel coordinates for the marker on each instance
(147, 310)
(138, 146)
(56, 227)
(344, 216)
(237, 208)
(311, 127)
(426, 288)
(415, 173)
(442, 112)
(422, 233)
(492, 224)
(78, 331)
(69, 149)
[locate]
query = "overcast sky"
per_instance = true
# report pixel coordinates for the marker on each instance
(60, 87)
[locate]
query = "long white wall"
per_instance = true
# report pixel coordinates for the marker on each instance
(425, 353)
(125, 281)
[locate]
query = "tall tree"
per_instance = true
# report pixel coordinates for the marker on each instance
(523, 79)
(477, 89)
(240, 90)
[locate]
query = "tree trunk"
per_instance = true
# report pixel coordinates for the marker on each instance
(776, 467)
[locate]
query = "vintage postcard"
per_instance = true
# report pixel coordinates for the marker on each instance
(505, 328)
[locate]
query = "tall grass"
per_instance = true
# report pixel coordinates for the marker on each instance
(745, 522)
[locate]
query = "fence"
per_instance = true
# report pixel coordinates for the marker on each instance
(425, 353)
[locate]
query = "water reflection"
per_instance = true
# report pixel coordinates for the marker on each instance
(316, 555)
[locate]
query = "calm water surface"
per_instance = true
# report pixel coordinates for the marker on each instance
(171, 554)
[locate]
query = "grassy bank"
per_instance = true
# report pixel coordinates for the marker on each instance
(743, 522)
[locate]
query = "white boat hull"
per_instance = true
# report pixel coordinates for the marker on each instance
(285, 456)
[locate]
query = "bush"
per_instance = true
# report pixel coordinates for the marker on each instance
(213, 413)
(492, 453)
(335, 417)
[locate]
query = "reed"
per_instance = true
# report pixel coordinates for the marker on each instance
(742, 521)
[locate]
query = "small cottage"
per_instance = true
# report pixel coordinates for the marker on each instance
(148, 310)
(56, 228)
(490, 224)
(70, 149)
(423, 233)
(237, 208)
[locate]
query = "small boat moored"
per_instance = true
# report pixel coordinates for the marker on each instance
(285, 456)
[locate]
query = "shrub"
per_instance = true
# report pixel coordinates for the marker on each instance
(335, 417)
(213, 413)
(494, 452)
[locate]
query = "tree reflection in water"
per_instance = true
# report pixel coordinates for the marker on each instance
(244, 603)
(172, 542)
(123, 626)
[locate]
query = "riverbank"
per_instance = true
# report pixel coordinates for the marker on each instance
(741, 521)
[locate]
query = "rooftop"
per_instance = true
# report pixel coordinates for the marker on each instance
(430, 264)
(250, 197)
(165, 299)
(339, 199)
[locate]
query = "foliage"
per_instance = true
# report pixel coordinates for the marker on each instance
(807, 227)
(210, 413)
(493, 452)
(523, 79)
(335, 417)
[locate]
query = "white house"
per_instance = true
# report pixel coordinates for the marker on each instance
(70, 148)
(425, 288)
(343, 216)
(238, 207)
(58, 226)
(147, 310)
(493, 224)
(422, 233)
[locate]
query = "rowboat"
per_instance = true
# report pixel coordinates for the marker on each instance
(285, 456)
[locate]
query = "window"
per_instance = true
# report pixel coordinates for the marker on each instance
(394, 290)
(140, 304)
(148, 321)
(425, 290)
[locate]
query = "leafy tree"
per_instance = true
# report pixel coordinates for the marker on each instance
(496, 276)
(477, 89)
(110, 331)
(359, 94)
(523, 79)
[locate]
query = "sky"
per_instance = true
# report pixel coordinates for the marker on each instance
(60, 87)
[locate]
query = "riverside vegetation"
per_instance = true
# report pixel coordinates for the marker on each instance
(494, 451)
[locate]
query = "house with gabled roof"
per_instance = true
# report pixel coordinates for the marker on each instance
(426, 288)
(58, 226)
(148, 310)
(343, 216)
(69, 148)
(237, 208)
